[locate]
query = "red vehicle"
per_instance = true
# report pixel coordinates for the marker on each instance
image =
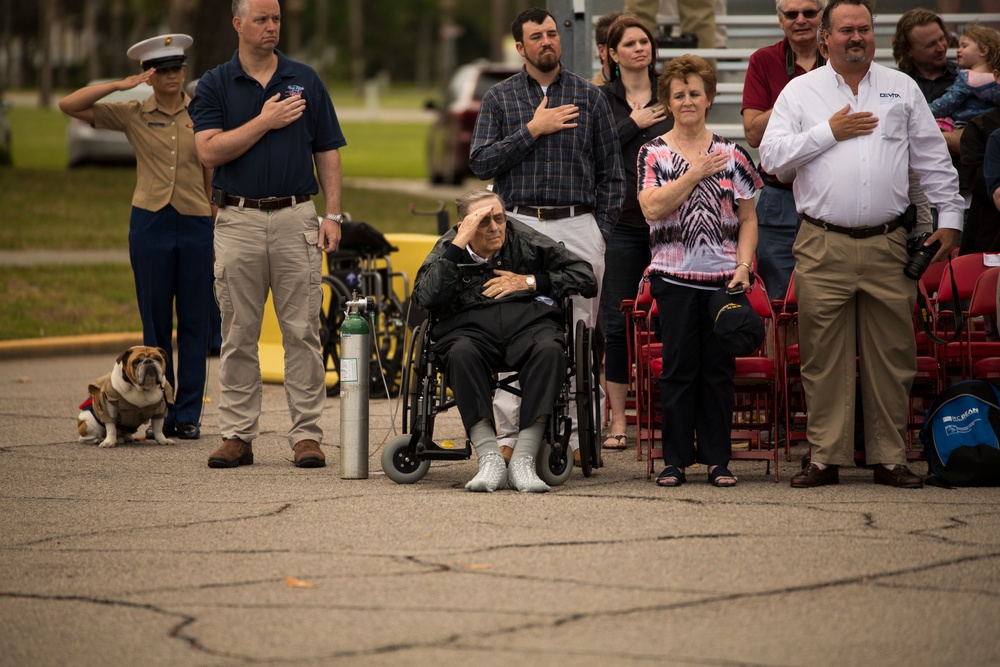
(450, 137)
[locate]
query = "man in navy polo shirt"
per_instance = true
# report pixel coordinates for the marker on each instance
(260, 121)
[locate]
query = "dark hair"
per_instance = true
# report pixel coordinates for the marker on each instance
(617, 31)
(464, 202)
(602, 25)
(901, 38)
(530, 15)
(680, 69)
(824, 25)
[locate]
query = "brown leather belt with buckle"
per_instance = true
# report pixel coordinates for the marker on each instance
(266, 204)
(552, 212)
(857, 232)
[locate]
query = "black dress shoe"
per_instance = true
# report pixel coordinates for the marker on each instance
(900, 476)
(812, 477)
(188, 431)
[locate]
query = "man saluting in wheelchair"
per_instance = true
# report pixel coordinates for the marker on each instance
(492, 287)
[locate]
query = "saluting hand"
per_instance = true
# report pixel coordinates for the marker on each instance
(278, 113)
(846, 125)
(470, 223)
(130, 82)
(550, 121)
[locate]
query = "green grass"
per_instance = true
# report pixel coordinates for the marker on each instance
(67, 300)
(47, 206)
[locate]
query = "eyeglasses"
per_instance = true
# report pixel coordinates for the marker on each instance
(809, 14)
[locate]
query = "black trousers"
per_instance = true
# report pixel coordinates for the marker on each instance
(526, 337)
(696, 385)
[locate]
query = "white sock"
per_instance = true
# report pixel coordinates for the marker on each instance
(521, 473)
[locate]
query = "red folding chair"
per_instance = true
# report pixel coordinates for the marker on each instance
(755, 413)
(790, 378)
(953, 356)
(644, 350)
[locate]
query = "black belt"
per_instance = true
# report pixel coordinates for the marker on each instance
(857, 232)
(266, 204)
(552, 212)
(773, 182)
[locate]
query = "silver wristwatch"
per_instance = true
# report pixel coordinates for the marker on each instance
(339, 218)
(530, 281)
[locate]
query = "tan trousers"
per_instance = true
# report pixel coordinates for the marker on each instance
(697, 16)
(257, 252)
(854, 300)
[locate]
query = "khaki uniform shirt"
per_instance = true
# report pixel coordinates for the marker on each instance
(168, 170)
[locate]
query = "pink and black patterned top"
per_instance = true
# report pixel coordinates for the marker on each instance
(696, 244)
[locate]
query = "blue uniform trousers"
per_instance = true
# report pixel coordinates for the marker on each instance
(171, 257)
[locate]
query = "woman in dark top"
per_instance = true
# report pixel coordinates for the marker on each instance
(639, 118)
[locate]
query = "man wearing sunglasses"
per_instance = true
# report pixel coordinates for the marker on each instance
(769, 70)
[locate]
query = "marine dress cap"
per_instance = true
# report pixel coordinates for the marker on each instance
(162, 51)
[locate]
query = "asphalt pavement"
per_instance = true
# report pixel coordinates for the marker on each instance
(141, 554)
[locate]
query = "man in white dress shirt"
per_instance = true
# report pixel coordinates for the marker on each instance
(849, 131)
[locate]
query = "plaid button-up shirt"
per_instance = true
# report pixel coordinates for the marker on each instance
(575, 166)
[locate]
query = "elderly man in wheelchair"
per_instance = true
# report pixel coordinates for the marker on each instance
(492, 287)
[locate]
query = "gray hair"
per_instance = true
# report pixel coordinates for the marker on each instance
(240, 8)
(780, 5)
(465, 202)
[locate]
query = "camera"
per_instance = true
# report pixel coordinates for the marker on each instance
(920, 255)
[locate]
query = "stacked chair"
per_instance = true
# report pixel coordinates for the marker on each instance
(757, 378)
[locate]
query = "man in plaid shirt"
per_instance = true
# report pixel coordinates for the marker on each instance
(547, 138)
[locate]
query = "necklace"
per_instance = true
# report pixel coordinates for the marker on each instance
(680, 149)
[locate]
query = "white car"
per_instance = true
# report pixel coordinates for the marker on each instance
(86, 145)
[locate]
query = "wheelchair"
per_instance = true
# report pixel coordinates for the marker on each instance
(362, 264)
(406, 458)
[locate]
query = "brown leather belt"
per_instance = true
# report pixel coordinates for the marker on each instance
(857, 232)
(268, 203)
(552, 212)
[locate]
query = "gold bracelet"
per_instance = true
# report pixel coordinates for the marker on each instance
(749, 268)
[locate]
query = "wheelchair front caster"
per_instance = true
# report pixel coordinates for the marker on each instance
(553, 468)
(401, 464)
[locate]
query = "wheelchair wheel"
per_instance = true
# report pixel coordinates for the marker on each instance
(413, 373)
(330, 319)
(553, 468)
(586, 389)
(400, 464)
(387, 345)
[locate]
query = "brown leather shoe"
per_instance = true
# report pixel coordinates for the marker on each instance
(233, 452)
(308, 454)
(900, 476)
(812, 477)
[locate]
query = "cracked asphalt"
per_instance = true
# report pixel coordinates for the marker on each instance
(142, 555)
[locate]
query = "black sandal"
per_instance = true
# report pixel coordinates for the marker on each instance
(671, 476)
(720, 477)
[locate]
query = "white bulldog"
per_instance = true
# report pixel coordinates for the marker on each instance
(133, 393)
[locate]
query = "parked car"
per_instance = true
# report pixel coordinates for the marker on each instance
(450, 137)
(87, 145)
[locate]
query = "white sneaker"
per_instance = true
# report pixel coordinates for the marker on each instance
(523, 477)
(492, 474)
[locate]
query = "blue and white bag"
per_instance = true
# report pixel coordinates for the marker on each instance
(960, 435)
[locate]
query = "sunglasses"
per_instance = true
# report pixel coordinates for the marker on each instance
(809, 14)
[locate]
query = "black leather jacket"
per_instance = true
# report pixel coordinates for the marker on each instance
(450, 282)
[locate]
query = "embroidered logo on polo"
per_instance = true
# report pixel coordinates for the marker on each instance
(893, 95)
(294, 90)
